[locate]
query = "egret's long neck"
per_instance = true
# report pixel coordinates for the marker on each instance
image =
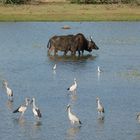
(34, 104)
(98, 69)
(75, 83)
(69, 111)
(98, 102)
(26, 102)
(6, 85)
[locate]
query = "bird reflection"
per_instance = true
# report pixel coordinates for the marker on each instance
(54, 72)
(100, 124)
(101, 120)
(38, 123)
(72, 132)
(137, 136)
(98, 76)
(27, 127)
(20, 121)
(73, 97)
(9, 104)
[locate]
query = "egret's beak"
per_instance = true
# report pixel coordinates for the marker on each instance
(3, 83)
(97, 100)
(67, 107)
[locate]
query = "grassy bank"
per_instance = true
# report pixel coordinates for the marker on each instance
(69, 12)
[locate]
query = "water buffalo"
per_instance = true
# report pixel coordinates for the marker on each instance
(72, 43)
(61, 43)
(81, 44)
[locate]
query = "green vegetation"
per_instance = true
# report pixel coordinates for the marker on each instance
(130, 74)
(106, 1)
(69, 12)
(14, 1)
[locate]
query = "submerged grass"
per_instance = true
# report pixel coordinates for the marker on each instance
(131, 74)
(69, 12)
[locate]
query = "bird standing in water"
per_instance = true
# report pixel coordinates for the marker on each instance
(99, 70)
(73, 118)
(138, 117)
(100, 107)
(54, 67)
(36, 110)
(9, 91)
(73, 87)
(22, 108)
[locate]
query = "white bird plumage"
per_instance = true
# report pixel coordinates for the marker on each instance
(22, 108)
(54, 67)
(138, 116)
(100, 107)
(73, 87)
(36, 110)
(9, 91)
(98, 69)
(73, 118)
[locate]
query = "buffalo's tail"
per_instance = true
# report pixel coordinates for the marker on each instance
(48, 45)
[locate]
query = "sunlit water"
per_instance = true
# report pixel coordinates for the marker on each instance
(27, 67)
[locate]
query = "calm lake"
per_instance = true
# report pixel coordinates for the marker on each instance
(24, 63)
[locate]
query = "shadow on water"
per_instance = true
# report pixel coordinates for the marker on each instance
(71, 58)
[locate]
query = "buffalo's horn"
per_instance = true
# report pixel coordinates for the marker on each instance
(91, 37)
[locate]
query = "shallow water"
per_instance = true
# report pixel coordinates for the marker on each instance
(27, 67)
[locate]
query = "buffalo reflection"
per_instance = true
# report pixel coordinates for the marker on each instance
(71, 57)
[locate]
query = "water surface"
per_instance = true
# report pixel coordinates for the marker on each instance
(27, 67)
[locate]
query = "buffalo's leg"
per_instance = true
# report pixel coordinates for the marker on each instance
(50, 50)
(55, 51)
(73, 52)
(82, 52)
(79, 52)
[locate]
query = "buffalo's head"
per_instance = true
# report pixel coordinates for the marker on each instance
(92, 45)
